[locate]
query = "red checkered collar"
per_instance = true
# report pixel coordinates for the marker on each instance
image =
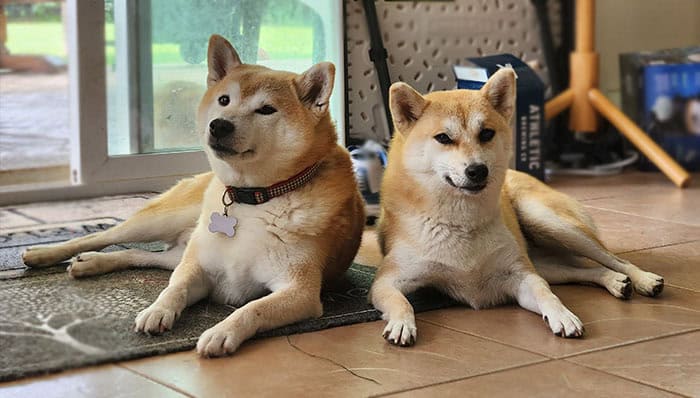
(259, 195)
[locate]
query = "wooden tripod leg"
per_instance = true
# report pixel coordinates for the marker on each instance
(557, 104)
(639, 138)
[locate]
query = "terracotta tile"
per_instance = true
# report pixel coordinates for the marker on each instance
(346, 361)
(262, 368)
(439, 355)
(99, 381)
(678, 264)
(10, 219)
(634, 182)
(680, 206)
(115, 206)
(609, 321)
(672, 363)
(624, 232)
(550, 379)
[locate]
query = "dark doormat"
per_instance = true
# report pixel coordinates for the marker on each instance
(50, 322)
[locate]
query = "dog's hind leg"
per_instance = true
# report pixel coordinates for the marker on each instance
(97, 263)
(553, 220)
(163, 219)
(569, 269)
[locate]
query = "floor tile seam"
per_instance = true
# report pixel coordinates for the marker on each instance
(152, 379)
(18, 212)
(629, 379)
(458, 379)
(630, 343)
(658, 246)
(690, 289)
(490, 339)
(587, 204)
(586, 200)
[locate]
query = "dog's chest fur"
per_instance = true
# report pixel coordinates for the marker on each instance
(469, 265)
(267, 245)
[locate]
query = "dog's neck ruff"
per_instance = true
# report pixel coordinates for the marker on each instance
(259, 195)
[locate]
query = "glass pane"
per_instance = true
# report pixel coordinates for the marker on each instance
(34, 119)
(162, 72)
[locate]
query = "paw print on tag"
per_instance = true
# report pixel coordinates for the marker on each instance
(221, 223)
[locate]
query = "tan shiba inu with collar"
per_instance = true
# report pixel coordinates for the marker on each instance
(454, 217)
(279, 216)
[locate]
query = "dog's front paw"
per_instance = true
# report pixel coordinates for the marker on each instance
(43, 256)
(155, 320)
(401, 331)
(562, 321)
(648, 284)
(218, 341)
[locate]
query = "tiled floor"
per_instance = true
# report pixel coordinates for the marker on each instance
(639, 348)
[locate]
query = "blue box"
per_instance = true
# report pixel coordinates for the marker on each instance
(528, 122)
(661, 93)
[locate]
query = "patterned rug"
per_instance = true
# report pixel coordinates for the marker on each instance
(50, 322)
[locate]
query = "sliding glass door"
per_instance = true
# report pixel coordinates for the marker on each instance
(139, 69)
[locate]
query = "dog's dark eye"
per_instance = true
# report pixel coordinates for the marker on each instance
(444, 139)
(486, 135)
(266, 110)
(224, 100)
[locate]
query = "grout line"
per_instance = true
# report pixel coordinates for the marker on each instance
(19, 213)
(587, 204)
(500, 370)
(630, 343)
(485, 338)
(683, 288)
(584, 201)
(151, 379)
(658, 247)
(644, 383)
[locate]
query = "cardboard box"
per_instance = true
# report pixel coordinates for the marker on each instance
(528, 123)
(661, 93)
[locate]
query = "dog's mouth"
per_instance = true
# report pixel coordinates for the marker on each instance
(469, 187)
(223, 151)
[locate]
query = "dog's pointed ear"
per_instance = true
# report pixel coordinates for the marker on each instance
(500, 92)
(314, 87)
(221, 58)
(407, 105)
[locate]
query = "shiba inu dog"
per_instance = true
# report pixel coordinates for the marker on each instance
(454, 217)
(279, 216)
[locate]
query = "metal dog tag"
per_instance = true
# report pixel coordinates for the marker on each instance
(222, 223)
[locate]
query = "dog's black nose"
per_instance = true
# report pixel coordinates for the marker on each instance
(220, 128)
(477, 173)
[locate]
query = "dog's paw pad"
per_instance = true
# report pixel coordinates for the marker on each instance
(563, 322)
(154, 320)
(41, 256)
(401, 332)
(648, 284)
(217, 342)
(85, 264)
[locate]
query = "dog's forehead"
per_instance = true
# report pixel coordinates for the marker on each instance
(261, 81)
(467, 120)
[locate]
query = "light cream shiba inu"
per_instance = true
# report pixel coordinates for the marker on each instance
(266, 249)
(454, 217)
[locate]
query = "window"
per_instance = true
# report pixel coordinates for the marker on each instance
(141, 69)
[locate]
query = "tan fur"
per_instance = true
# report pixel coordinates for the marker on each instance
(288, 246)
(438, 229)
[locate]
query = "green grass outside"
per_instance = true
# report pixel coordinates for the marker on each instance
(47, 38)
